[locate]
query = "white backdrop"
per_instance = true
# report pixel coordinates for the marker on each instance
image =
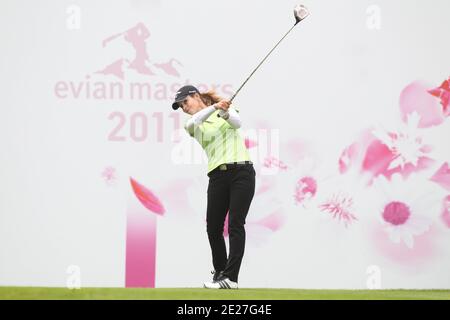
(345, 102)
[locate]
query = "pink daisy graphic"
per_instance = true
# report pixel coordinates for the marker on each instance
(406, 207)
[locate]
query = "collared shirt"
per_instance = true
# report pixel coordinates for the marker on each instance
(222, 142)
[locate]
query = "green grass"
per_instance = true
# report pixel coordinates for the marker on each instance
(29, 293)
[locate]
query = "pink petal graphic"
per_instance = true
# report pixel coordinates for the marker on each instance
(353, 155)
(424, 250)
(294, 150)
(147, 198)
(175, 195)
(273, 221)
(442, 176)
(249, 143)
(377, 158)
(347, 158)
(446, 218)
(416, 97)
(225, 226)
(265, 185)
(443, 93)
(262, 124)
(446, 211)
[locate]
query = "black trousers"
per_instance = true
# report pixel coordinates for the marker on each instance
(230, 191)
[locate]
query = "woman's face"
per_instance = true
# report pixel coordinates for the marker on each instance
(192, 104)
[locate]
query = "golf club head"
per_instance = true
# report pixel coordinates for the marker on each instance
(300, 13)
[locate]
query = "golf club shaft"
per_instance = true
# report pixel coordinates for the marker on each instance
(234, 95)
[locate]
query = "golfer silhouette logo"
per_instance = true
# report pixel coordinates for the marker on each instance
(137, 37)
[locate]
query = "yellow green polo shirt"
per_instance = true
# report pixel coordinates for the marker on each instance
(222, 143)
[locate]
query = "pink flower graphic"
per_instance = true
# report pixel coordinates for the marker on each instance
(250, 143)
(297, 185)
(405, 145)
(293, 179)
(379, 151)
(341, 196)
(305, 188)
(340, 206)
(417, 98)
(405, 207)
(109, 175)
(443, 93)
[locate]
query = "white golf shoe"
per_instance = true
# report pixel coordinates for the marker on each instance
(223, 283)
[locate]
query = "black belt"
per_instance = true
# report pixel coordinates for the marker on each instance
(231, 165)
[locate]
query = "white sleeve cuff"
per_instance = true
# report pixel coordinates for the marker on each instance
(232, 117)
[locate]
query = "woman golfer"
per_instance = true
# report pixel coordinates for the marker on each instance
(231, 178)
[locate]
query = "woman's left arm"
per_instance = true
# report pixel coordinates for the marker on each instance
(232, 117)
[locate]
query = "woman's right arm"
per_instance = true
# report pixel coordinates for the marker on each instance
(199, 118)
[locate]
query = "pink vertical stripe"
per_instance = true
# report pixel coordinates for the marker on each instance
(141, 236)
(140, 262)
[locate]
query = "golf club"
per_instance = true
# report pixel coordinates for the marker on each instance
(300, 13)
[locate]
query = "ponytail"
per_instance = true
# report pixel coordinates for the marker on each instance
(210, 97)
